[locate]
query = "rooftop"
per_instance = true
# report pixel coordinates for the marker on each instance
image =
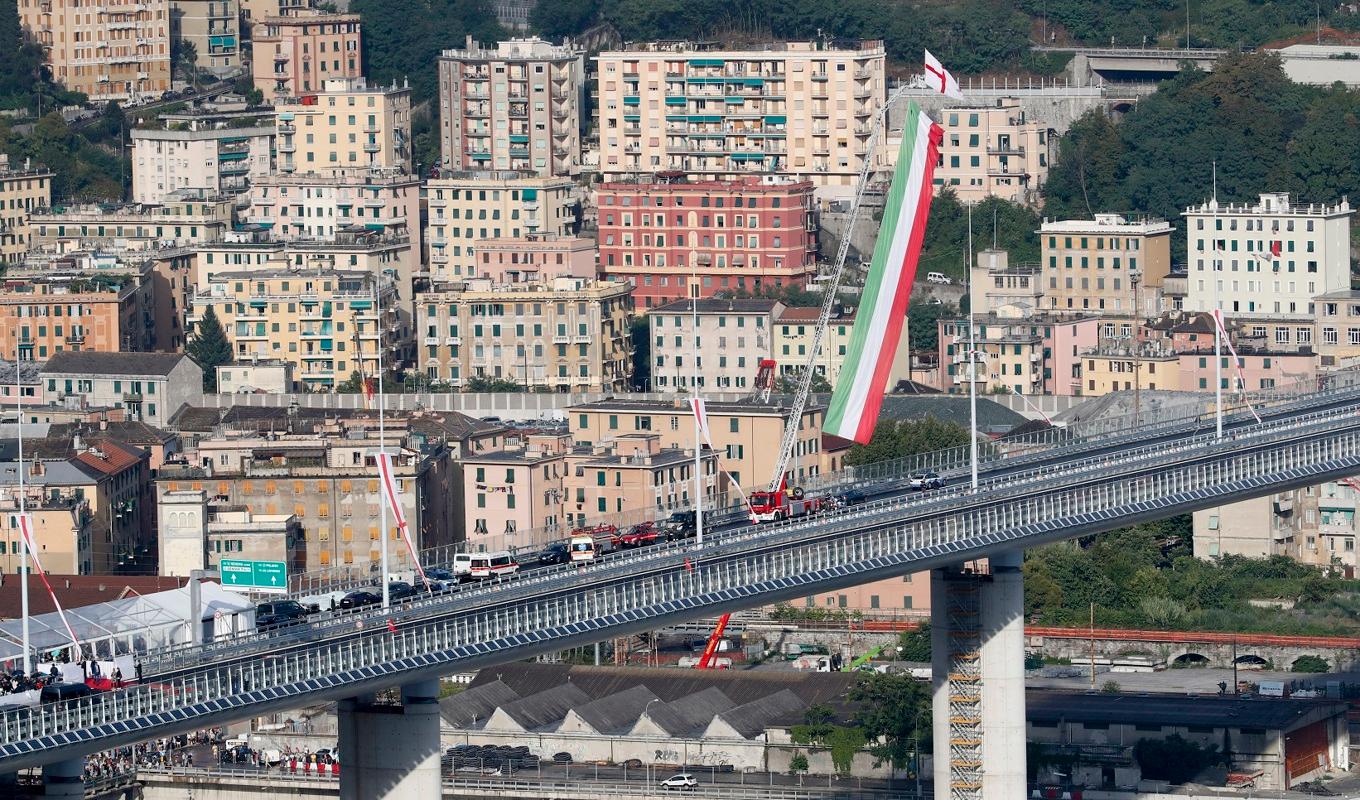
(96, 363)
(528, 49)
(1271, 713)
(1107, 223)
(1272, 204)
(678, 406)
(713, 305)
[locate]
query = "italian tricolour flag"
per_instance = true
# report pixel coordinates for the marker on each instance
(883, 306)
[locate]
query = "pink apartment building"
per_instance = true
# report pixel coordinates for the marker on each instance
(749, 234)
(297, 54)
(536, 257)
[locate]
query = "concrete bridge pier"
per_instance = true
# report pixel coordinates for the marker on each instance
(64, 778)
(978, 708)
(389, 752)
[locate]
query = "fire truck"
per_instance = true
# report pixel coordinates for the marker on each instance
(784, 503)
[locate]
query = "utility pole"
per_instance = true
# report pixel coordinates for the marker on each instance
(1137, 348)
(1093, 645)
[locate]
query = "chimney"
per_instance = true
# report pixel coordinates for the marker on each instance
(38, 468)
(76, 443)
(103, 423)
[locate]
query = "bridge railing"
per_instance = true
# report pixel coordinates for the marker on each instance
(739, 568)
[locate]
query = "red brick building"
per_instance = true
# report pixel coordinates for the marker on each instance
(747, 234)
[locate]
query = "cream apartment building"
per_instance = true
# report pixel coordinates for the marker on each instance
(214, 29)
(798, 109)
(1269, 258)
(991, 152)
(635, 472)
(564, 335)
(516, 106)
(109, 50)
(514, 497)
(1312, 525)
(1338, 328)
(491, 205)
(733, 337)
(535, 257)
(325, 322)
(794, 330)
(180, 221)
(208, 160)
(22, 189)
(347, 125)
(1089, 266)
(295, 55)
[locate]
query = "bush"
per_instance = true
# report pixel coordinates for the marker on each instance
(1111, 687)
(798, 763)
(1311, 664)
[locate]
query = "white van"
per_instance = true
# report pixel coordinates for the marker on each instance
(462, 566)
(938, 277)
(491, 565)
(583, 548)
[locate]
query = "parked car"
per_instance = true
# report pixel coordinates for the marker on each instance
(61, 692)
(555, 553)
(278, 613)
(926, 480)
(641, 534)
(852, 497)
(682, 781)
(679, 525)
(400, 590)
(360, 598)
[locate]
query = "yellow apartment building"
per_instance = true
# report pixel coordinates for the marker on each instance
(21, 191)
(323, 321)
(467, 207)
(564, 335)
(1087, 264)
(295, 55)
(634, 472)
(346, 125)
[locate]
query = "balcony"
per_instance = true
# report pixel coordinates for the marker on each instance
(372, 147)
(287, 128)
(431, 341)
(132, 397)
(1006, 150)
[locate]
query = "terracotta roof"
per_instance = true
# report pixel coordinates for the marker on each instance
(800, 314)
(75, 591)
(117, 457)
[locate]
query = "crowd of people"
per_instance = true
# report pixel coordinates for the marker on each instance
(173, 751)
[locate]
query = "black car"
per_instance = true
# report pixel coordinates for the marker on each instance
(853, 497)
(555, 553)
(279, 613)
(360, 598)
(679, 525)
(400, 590)
(58, 692)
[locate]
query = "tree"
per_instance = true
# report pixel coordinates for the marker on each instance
(890, 705)
(354, 384)
(1086, 174)
(900, 438)
(184, 59)
(915, 644)
(1310, 663)
(923, 329)
(788, 384)
(209, 348)
(481, 383)
(640, 333)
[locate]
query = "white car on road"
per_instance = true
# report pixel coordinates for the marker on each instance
(682, 781)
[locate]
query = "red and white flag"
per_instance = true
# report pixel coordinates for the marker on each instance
(939, 79)
(389, 483)
(368, 393)
(696, 405)
(1237, 362)
(26, 531)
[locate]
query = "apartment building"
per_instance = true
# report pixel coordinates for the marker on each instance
(329, 482)
(515, 107)
(535, 257)
(1012, 355)
(257, 10)
(206, 159)
(514, 496)
(564, 335)
(745, 433)
(797, 109)
(22, 189)
(634, 472)
(295, 55)
(791, 343)
(42, 316)
(110, 49)
(462, 209)
(749, 234)
(1270, 258)
(325, 322)
(999, 287)
(1092, 266)
(179, 221)
(213, 27)
(346, 125)
(1312, 525)
(1337, 319)
(733, 337)
(992, 152)
(61, 527)
(148, 387)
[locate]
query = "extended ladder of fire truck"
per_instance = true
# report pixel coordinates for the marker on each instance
(765, 376)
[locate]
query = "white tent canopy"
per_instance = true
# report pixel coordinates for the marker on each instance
(131, 624)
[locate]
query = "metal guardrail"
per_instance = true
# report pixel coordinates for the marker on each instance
(645, 589)
(1051, 443)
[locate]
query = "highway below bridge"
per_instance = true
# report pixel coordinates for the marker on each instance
(393, 750)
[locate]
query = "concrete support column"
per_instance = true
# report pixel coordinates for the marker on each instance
(390, 752)
(64, 778)
(978, 706)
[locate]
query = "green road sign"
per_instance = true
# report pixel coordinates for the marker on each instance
(259, 576)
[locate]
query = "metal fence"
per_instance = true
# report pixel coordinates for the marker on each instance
(549, 610)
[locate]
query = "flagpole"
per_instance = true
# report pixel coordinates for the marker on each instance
(23, 509)
(1218, 341)
(382, 436)
(698, 443)
(972, 359)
